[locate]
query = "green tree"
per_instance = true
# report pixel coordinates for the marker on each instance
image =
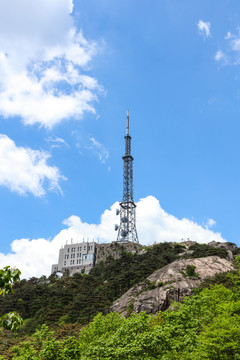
(12, 320)
(220, 340)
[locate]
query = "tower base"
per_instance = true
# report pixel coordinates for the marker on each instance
(127, 231)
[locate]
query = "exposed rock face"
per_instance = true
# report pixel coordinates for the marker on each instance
(115, 250)
(228, 246)
(172, 282)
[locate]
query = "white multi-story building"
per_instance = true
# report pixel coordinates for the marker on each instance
(74, 258)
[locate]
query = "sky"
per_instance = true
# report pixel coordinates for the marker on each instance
(69, 70)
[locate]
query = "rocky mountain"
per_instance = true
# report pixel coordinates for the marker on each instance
(129, 278)
(115, 250)
(170, 283)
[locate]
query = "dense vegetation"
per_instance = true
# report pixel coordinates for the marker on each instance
(203, 250)
(80, 297)
(66, 304)
(205, 326)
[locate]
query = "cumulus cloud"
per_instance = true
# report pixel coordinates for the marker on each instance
(24, 170)
(43, 63)
(35, 257)
(204, 28)
(156, 225)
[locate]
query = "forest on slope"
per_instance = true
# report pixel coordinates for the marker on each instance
(66, 304)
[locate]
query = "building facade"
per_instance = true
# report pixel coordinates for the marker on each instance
(73, 258)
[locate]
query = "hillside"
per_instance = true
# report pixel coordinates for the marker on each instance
(171, 283)
(67, 303)
(80, 297)
(204, 326)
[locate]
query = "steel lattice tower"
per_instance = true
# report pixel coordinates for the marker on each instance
(127, 230)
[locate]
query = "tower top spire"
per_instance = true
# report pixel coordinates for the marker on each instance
(127, 229)
(127, 122)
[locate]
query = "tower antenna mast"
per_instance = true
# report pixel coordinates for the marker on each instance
(127, 230)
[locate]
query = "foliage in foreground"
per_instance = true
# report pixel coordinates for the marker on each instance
(12, 320)
(204, 326)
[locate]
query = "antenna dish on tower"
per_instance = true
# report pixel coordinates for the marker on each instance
(124, 233)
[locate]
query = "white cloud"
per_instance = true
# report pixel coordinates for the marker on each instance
(92, 146)
(204, 28)
(235, 42)
(219, 55)
(24, 170)
(155, 224)
(228, 36)
(42, 60)
(210, 223)
(231, 54)
(56, 142)
(99, 150)
(35, 257)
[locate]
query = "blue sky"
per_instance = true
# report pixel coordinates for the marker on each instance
(69, 70)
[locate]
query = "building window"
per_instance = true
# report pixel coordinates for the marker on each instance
(64, 263)
(80, 248)
(73, 262)
(91, 247)
(68, 250)
(84, 247)
(85, 257)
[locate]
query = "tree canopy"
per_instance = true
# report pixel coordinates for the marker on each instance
(203, 326)
(12, 320)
